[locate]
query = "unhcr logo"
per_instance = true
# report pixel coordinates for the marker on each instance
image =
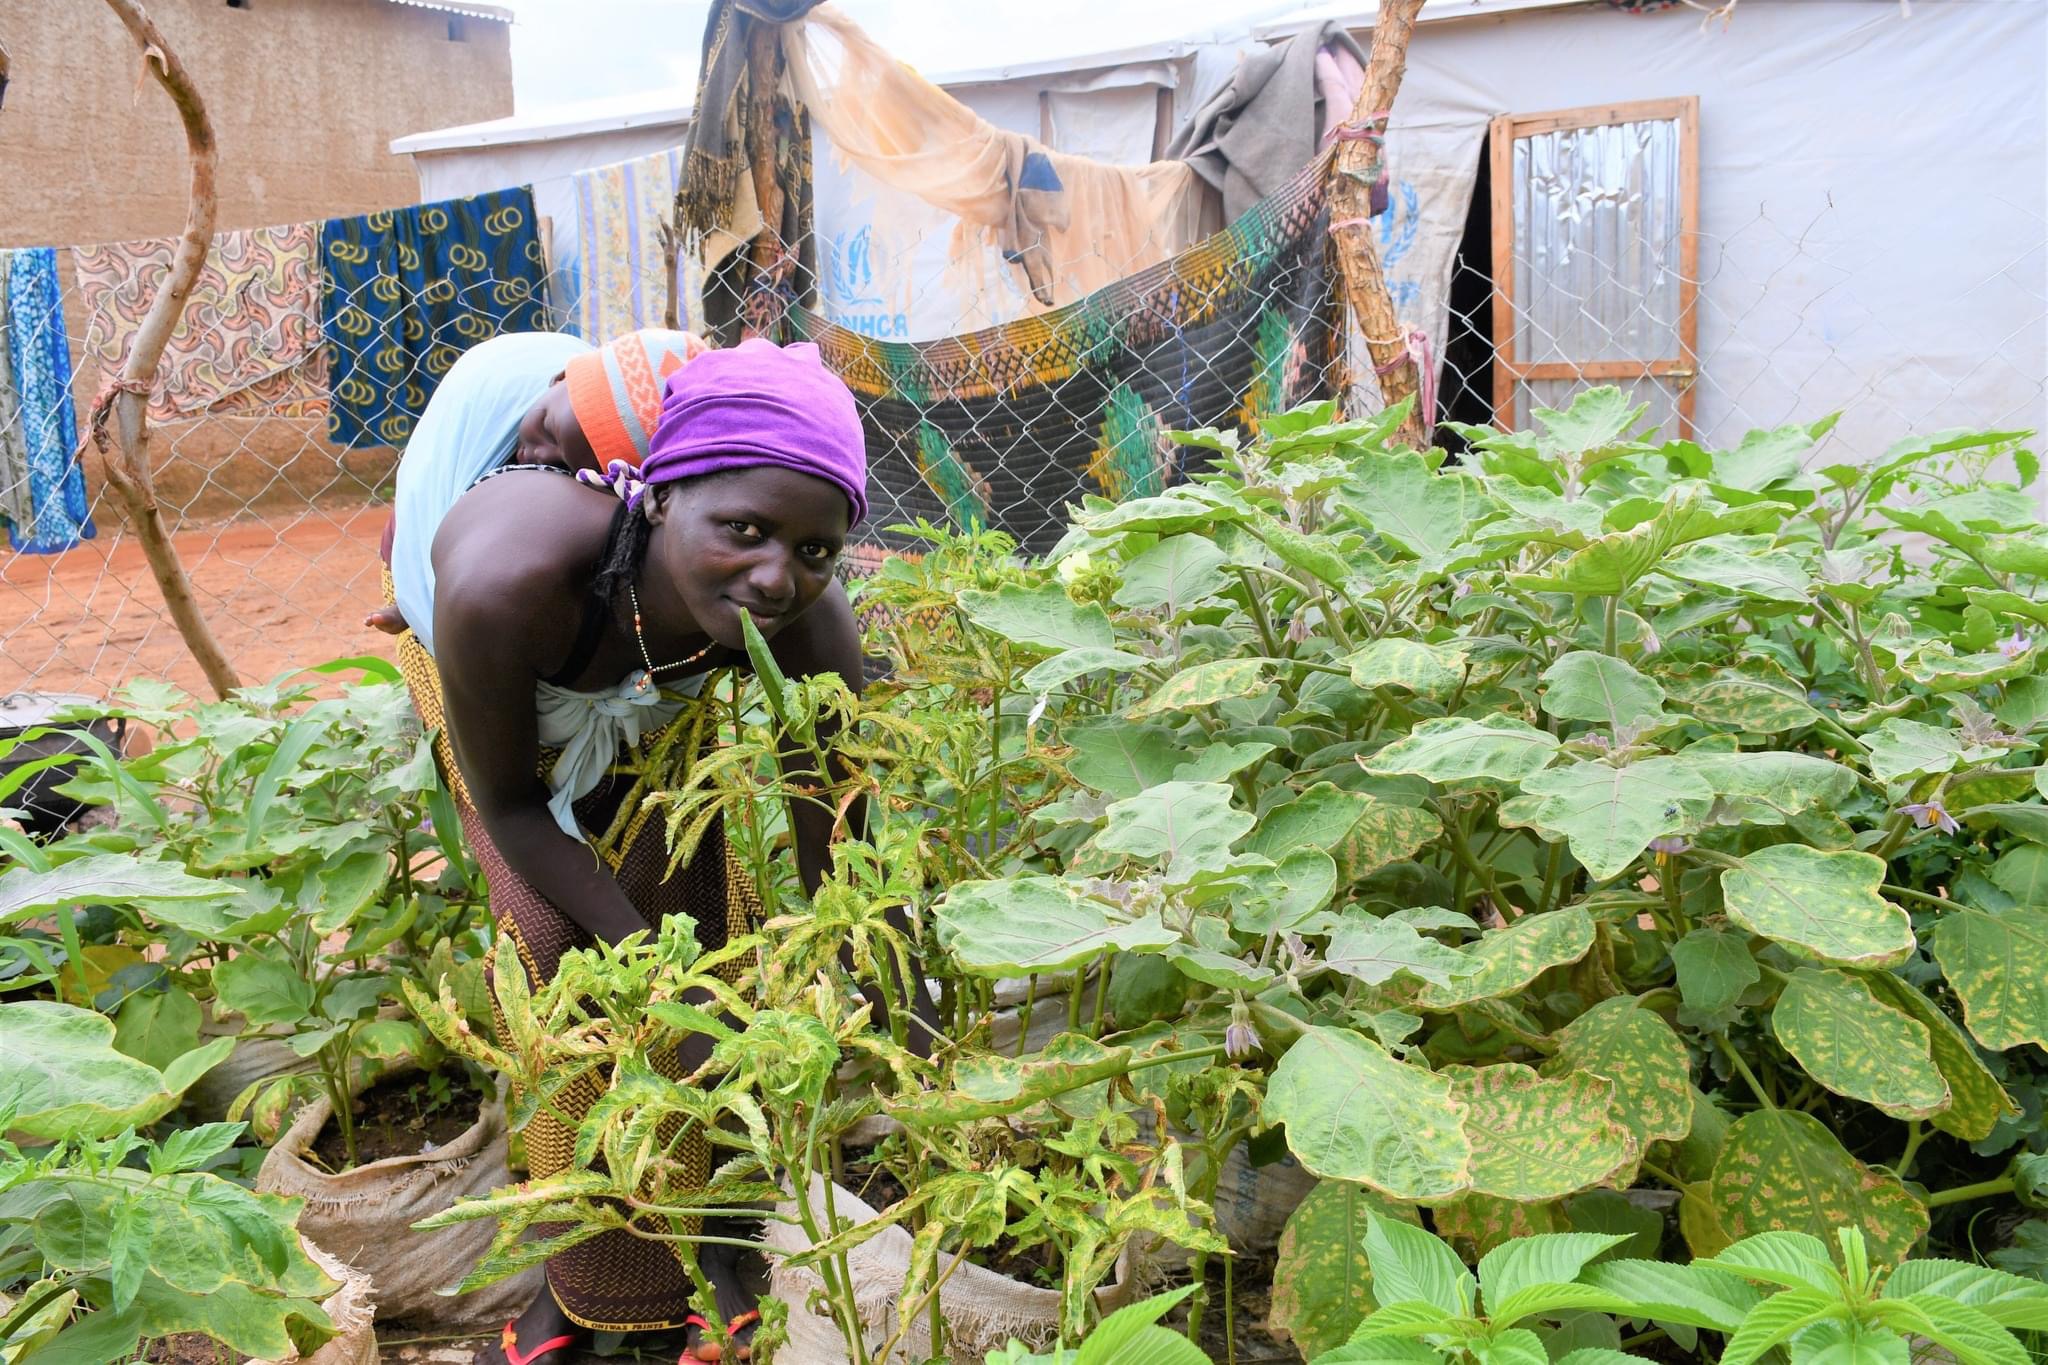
(855, 300)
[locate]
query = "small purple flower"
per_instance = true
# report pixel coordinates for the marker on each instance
(2015, 644)
(1239, 1042)
(1933, 813)
(1297, 629)
(1670, 845)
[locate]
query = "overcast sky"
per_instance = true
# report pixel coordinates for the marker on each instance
(567, 50)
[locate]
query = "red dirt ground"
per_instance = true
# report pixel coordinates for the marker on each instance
(281, 592)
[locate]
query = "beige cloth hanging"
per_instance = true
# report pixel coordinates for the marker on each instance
(1071, 225)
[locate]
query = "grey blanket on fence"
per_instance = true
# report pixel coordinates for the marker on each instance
(1251, 136)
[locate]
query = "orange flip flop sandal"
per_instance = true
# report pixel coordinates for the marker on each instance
(733, 1328)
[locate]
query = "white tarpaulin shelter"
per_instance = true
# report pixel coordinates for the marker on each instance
(884, 263)
(1871, 204)
(1818, 204)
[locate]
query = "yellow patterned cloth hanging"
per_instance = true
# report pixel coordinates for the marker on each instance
(248, 340)
(622, 283)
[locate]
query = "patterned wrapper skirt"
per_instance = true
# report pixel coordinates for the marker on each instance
(616, 1281)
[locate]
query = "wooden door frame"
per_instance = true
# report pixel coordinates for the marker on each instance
(1683, 368)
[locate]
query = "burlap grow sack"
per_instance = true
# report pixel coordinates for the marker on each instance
(352, 1310)
(254, 1059)
(263, 1056)
(982, 1309)
(365, 1218)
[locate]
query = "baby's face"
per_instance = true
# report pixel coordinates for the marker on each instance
(550, 434)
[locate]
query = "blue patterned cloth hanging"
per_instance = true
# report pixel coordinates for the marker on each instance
(408, 290)
(38, 373)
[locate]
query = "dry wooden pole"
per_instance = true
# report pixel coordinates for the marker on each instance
(764, 52)
(1353, 171)
(671, 311)
(128, 470)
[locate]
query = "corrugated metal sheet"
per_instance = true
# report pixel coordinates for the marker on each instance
(1596, 243)
(495, 13)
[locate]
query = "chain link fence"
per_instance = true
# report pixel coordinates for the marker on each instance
(279, 526)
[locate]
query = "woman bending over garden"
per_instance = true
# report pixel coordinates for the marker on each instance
(572, 628)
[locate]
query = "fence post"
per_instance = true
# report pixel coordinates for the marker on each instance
(128, 472)
(1353, 171)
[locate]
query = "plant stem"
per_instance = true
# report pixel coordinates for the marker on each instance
(1101, 993)
(1551, 872)
(1265, 627)
(1229, 1312)
(1668, 875)
(1983, 1189)
(1916, 1133)
(1024, 1015)
(1666, 1176)
(1910, 894)
(1613, 626)
(1742, 1070)
(1460, 845)
(1895, 833)
(1873, 676)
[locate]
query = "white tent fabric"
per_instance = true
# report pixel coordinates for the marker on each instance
(1873, 208)
(1873, 204)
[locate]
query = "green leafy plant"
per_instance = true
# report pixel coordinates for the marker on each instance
(1129, 1336)
(106, 1237)
(1431, 1308)
(280, 858)
(772, 1094)
(1601, 812)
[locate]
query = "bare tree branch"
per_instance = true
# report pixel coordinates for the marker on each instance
(126, 399)
(1357, 166)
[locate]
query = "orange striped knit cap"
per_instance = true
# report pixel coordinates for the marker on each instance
(616, 390)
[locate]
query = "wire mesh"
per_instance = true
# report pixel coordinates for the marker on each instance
(279, 526)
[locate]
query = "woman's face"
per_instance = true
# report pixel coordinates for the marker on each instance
(764, 540)
(550, 434)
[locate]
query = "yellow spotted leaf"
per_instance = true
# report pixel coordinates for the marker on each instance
(1782, 1170)
(1536, 1138)
(1855, 1046)
(1647, 1063)
(1322, 1281)
(1998, 967)
(1824, 904)
(1477, 1223)
(1509, 959)
(1384, 833)
(1410, 665)
(1203, 685)
(1978, 1101)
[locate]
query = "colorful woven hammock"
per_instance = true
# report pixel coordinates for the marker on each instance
(1001, 428)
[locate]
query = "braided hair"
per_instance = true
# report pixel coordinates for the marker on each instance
(625, 550)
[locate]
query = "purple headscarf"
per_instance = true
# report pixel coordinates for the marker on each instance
(760, 404)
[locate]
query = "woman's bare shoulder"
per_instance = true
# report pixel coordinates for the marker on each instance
(512, 547)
